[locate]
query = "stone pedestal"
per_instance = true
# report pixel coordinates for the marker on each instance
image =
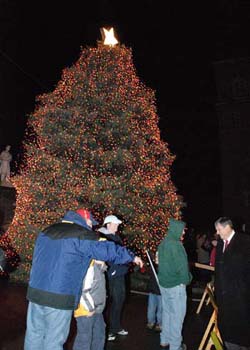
(6, 183)
(7, 206)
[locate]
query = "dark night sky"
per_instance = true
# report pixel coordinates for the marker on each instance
(173, 48)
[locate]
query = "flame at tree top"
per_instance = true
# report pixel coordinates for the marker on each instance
(109, 37)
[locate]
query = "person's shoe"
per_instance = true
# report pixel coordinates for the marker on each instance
(157, 328)
(122, 332)
(111, 337)
(150, 325)
(164, 346)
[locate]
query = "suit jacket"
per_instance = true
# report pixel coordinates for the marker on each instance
(232, 289)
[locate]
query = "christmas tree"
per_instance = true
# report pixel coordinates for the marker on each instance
(95, 140)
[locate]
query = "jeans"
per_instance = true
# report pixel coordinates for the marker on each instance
(154, 312)
(174, 304)
(90, 333)
(117, 294)
(47, 328)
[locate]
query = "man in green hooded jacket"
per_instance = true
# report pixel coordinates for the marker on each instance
(174, 276)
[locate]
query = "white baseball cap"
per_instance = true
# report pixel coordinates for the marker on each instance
(112, 218)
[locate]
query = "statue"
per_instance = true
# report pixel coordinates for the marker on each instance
(5, 159)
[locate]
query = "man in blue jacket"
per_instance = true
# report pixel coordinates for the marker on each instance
(62, 254)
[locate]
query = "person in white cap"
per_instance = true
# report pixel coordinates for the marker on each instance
(116, 280)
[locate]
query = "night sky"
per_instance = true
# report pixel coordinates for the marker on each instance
(174, 47)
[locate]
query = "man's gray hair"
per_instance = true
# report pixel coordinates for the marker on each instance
(224, 221)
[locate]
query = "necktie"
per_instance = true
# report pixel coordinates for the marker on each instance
(226, 244)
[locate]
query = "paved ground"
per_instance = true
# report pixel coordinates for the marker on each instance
(13, 308)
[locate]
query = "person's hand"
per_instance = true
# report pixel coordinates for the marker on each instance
(91, 313)
(138, 261)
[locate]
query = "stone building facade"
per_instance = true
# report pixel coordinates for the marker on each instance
(233, 110)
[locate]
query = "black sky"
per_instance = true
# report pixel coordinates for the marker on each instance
(174, 46)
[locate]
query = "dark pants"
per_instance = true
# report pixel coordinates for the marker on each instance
(90, 333)
(117, 294)
(230, 346)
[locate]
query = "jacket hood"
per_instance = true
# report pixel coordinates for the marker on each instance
(104, 231)
(109, 236)
(72, 216)
(175, 229)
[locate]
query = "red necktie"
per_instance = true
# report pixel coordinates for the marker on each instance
(226, 244)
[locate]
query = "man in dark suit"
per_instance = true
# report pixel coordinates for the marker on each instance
(232, 285)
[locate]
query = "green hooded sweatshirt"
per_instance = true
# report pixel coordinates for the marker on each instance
(173, 268)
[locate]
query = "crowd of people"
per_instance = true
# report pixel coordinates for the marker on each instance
(76, 269)
(68, 258)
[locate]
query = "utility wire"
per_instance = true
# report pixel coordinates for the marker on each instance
(35, 80)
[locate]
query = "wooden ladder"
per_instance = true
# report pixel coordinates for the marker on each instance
(209, 290)
(211, 335)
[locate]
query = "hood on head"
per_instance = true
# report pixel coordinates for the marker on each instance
(175, 229)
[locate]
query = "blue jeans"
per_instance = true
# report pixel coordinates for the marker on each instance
(154, 312)
(174, 304)
(47, 328)
(90, 333)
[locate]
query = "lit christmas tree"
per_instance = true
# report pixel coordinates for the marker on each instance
(95, 140)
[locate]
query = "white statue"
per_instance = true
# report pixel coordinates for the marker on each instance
(5, 159)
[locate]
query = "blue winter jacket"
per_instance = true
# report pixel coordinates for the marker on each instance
(61, 258)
